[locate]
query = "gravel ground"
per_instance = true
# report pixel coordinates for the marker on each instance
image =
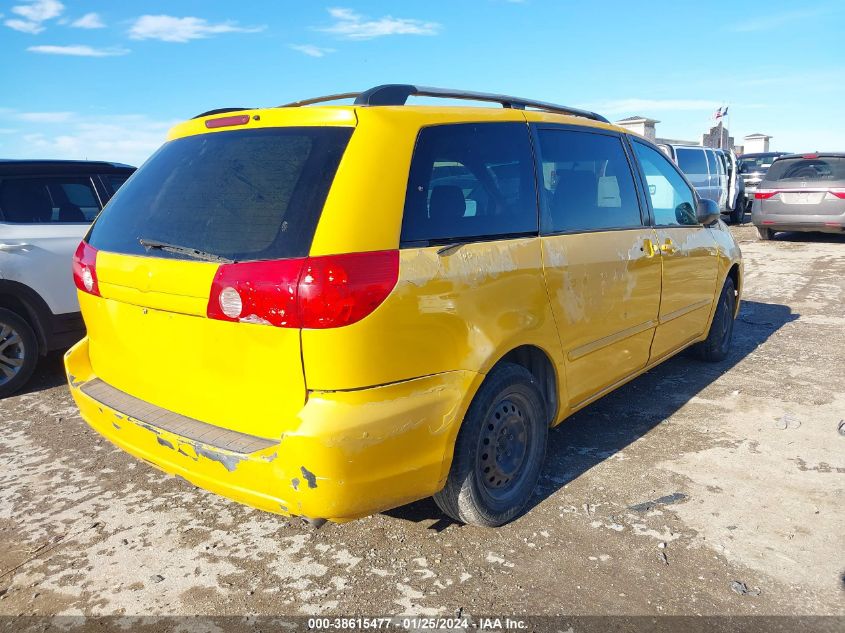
(695, 489)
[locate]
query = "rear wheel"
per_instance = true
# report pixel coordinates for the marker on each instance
(499, 450)
(718, 342)
(765, 234)
(18, 352)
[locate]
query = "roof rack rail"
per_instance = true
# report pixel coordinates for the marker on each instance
(397, 94)
(220, 111)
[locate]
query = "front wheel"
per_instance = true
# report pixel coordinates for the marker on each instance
(499, 450)
(718, 342)
(18, 352)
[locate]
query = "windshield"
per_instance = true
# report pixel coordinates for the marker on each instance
(240, 195)
(752, 164)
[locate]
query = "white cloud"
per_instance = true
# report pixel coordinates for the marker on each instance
(122, 138)
(168, 28)
(78, 50)
(44, 117)
(354, 26)
(311, 50)
(89, 21)
(34, 13)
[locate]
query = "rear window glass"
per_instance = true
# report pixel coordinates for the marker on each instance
(242, 195)
(815, 169)
(116, 180)
(48, 200)
(692, 161)
(470, 181)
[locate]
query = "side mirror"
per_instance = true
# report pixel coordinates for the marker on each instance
(707, 211)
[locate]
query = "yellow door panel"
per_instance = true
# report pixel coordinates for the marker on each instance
(605, 290)
(690, 264)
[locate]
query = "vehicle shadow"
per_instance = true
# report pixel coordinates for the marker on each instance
(49, 373)
(796, 236)
(612, 423)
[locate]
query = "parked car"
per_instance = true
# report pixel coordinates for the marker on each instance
(708, 173)
(45, 209)
(801, 192)
(332, 311)
(753, 167)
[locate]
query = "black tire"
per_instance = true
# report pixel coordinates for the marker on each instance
(738, 214)
(717, 345)
(765, 234)
(18, 352)
(491, 487)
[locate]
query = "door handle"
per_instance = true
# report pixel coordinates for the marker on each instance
(8, 248)
(667, 248)
(648, 248)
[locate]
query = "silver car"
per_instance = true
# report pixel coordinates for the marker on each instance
(801, 192)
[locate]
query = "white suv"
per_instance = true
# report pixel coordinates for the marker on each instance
(45, 210)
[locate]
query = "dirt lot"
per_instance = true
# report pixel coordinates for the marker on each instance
(653, 501)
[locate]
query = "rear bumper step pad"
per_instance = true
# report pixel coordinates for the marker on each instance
(183, 426)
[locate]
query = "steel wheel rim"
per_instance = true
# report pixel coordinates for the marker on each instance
(12, 353)
(503, 448)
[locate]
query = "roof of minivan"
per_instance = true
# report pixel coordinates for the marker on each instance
(813, 155)
(22, 166)
(350, 115)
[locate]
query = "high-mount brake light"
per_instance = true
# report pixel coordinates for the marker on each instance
(314, 292)
(809, 156)
(227, 121)
(85, 269)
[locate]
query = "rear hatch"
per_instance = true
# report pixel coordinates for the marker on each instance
(232, 201)
(812, 184)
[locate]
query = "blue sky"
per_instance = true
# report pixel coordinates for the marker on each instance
(104, 80)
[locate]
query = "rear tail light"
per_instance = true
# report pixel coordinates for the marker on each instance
(227, 121)
(312, 292)
(839, 193)
(85, 269)
(765, 194)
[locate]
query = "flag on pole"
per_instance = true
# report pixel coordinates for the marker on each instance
(719, 114)
(725, 113)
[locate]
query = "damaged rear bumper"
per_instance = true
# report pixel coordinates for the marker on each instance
(349, 454)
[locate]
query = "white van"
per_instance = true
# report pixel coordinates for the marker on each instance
(713, 173)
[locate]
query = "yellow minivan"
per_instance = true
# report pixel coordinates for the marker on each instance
(329, 311)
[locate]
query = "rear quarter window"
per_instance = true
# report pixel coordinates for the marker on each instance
(692, 161)
(244, 194)
(470, 181)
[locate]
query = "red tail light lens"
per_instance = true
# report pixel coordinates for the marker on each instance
(839, 193)
(315, 292)
(85, 269)
(339, 290)
(764, 194)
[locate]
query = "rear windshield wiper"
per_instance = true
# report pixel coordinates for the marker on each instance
(182, 250)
